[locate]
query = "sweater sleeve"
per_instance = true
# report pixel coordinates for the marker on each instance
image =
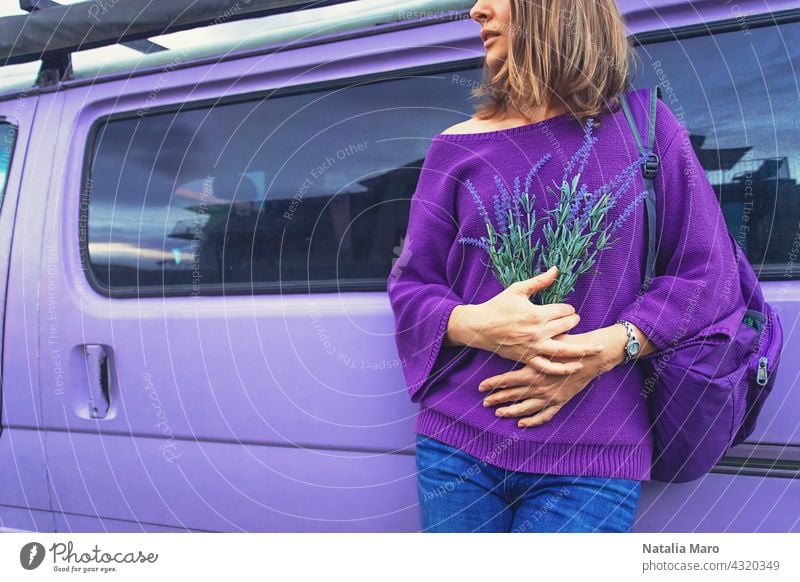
(418, 290)
(696, 282)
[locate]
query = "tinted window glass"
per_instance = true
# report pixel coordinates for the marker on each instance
(8, 136)
(302, 192)
(737, 94)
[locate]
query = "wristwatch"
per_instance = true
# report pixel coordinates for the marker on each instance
(633, 346)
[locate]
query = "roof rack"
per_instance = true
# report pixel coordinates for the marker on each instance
(52, 32)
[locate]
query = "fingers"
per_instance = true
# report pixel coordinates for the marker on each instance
(510, 395)
(529, 406)
(540, 281)
(545, 366)
(560, 349)
(561, 325)
(554, 311)
(540, 418)
(522, 377)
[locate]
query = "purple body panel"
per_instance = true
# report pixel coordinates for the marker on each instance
(720, 503)
(23, 481)
(230, 413)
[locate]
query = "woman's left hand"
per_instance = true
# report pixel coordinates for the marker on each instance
(543, 395)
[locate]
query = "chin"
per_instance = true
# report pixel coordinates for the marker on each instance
(494, 63)
(494, 60)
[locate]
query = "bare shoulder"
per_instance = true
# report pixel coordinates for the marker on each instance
(471, 125)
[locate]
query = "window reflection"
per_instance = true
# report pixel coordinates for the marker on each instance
(303, 192)
(736, 94)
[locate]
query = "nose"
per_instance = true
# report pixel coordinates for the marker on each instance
(480, 12)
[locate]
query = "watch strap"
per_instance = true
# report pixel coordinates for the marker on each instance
(631, 339)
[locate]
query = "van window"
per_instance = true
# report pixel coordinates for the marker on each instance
(303, 192)
(8, 136)
(735, 93)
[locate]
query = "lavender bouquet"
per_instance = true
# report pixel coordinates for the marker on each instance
(574, 231)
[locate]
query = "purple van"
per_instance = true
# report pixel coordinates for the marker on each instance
(195, 244)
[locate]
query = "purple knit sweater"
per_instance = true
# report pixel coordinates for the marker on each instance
(604, 430)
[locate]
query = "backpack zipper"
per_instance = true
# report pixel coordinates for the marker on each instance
(762, 376)
(766, 346)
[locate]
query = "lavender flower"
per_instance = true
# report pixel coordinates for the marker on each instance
(627, 212)
(502, 204)
(582, 154)
(481, 243)
(534, 170)
(476, 197)
(572, 235)
(626, 177)
(574, 208)
(516, 197)
(509, 246)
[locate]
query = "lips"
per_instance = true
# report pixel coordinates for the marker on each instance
(486, 35)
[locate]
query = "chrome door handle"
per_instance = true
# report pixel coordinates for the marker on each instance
(98, 375)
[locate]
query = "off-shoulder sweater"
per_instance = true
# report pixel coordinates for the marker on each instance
(605, 429)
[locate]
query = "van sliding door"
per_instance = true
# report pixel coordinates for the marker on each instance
(24, 498)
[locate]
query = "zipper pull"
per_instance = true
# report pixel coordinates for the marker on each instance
(761, 377)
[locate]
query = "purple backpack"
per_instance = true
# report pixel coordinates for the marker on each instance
(706, 396)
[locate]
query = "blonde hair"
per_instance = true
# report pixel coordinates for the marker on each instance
(569, 52)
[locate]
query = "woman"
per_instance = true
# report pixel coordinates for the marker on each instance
(523, 426)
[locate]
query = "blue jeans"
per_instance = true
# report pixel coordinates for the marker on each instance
(460, 493)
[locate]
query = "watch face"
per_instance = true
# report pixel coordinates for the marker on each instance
(633, 349)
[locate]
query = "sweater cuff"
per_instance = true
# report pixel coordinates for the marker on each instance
(650, 331)
(440, 357)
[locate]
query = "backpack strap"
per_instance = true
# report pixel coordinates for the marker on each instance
(649, 171)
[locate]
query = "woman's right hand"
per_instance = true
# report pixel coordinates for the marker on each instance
(514, 328)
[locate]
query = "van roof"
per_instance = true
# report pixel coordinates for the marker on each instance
(95, 48)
